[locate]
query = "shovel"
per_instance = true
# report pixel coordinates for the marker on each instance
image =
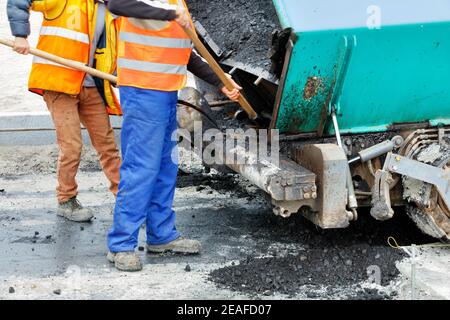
(66, 62)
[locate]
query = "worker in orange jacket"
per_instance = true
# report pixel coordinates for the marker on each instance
(154, 56)
(83, 31)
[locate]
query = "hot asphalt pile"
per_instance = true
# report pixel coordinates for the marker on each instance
(333, 262)
(243, 30)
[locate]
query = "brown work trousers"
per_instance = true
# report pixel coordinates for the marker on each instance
(68, 112)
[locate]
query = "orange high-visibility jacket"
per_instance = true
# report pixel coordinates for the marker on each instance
(153, 54)
(68, 36)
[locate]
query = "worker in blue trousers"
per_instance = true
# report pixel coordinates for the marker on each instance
(154, 56)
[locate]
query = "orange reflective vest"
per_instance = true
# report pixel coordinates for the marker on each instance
(153, 54)
(68, 36)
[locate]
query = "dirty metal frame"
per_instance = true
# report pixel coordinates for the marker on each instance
(257, 71)
(328, 162)
(287, 61)
(422, 172)
(381, 196)
(234, 65)
(286, 183)
(201, 31)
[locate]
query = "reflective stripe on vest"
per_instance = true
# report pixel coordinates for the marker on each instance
(65, 33)
(151, 66)
(155, 41)
(153, 58)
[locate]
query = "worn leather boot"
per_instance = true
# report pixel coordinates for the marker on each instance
(73, 210)
(180, 245)
(125, 261)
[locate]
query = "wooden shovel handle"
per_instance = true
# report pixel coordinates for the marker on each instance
(220, 73)
(66, 62)
(113, 79)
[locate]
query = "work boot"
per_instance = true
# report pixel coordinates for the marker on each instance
(180, 245)
(125, 261)
(73, 210)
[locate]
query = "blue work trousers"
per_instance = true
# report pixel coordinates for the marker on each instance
(149, 169)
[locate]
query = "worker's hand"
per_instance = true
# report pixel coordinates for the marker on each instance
(232, 94)
(21, 45)
(183, 18)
